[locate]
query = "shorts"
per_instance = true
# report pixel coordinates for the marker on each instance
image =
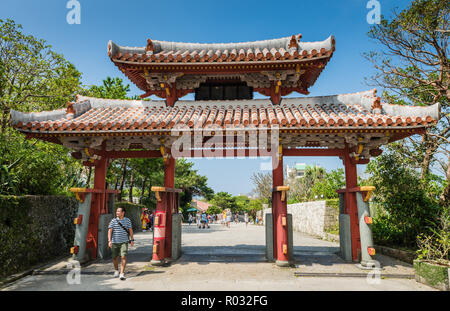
(119, 249)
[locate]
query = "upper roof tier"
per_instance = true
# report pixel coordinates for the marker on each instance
(287, 48)
(173, 69)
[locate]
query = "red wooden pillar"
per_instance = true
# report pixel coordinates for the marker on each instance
(351, 208)
(98, 205)
(279, 212)
(162, 237)
(169, 182)
(159, 232)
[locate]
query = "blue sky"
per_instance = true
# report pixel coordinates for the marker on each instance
(132, 22)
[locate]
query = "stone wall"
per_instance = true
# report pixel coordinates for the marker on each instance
(313, 218)
(34, 229)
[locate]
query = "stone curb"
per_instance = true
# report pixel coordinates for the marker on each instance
(405, 256)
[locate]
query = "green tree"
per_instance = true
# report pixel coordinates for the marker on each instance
(224, 200)
(111, 88)
(413, 67)
(33, 78)
(192, 184)
(302, 188)
(327, 186)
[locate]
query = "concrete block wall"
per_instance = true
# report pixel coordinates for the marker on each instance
(312, 218)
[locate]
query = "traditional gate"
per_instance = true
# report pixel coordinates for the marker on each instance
(224, 121)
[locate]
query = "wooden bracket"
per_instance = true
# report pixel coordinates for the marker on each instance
(369, 190)
(283, 190)
(80, 194)
(157, 190)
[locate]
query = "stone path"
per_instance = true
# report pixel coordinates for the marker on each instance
(231, 259)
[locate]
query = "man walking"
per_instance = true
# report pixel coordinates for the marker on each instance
(120, 232)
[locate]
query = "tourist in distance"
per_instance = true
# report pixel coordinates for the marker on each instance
(228, 217)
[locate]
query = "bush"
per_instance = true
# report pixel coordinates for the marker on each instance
(405, 208)
(435, 247)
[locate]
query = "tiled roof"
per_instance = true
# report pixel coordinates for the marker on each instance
(200, 205)
(288, 48)
(360, 110)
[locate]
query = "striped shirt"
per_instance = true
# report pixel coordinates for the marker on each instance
(119, 235)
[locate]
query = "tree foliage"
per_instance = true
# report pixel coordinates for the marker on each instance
(112, 88)
(33, 78)
(224, 200)
(326, 187)
(413, 67)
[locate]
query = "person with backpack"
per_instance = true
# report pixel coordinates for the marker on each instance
(204, 220)
(120, 234)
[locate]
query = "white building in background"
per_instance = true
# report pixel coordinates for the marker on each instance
(297, 171)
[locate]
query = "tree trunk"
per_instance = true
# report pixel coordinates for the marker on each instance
(445, 196)
(88, 183)
(130, 193)
(122, 181)
(143, 189)
(431, 147)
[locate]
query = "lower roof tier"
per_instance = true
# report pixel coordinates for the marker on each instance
(325, 121)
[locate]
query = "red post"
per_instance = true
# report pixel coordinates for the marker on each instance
(351, 207)
(162, 241)
(279, 212)
(159, 230)
(169, 182)
(98, 205)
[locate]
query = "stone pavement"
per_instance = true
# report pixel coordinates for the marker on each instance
(228, 259)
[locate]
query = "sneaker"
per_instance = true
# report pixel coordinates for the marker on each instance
(116, 273)
(122, 276)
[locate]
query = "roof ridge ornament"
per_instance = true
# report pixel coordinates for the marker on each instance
(293, 44)
(376, 106)
(149, 48)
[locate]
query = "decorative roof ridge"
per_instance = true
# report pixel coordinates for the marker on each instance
(370, 102)
(433, 111)
(287, 43)
(25, 117)
(96, 102)
(226, 102)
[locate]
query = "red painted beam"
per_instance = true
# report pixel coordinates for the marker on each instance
(129, 154)
(220, 152)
